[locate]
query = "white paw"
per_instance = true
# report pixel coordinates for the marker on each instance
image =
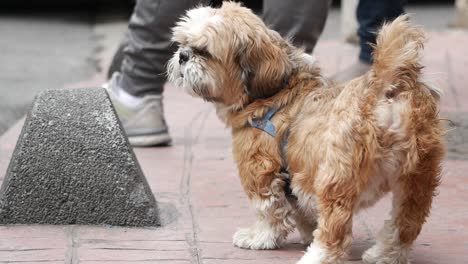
(315, 254)
(252, 238)
(371, 255)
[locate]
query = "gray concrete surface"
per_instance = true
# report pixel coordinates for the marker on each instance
(73, 165)
(41, 50)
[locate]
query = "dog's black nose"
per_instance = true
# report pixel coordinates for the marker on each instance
(184, 56)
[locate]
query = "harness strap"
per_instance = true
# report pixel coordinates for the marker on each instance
(265, 123)
(267, 126)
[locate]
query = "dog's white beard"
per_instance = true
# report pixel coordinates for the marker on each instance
(189, 76)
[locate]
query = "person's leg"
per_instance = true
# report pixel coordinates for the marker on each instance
(300, 20)
(149, 44)
(370, 15)
(136, 90)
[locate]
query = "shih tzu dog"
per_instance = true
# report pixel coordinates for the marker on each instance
(311, 153)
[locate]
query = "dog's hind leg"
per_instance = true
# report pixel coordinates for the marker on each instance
(336, 197)
(306, 223)
(332, 238)
(412, 198)
(305, 215)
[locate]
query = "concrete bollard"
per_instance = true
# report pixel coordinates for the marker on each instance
(73, 165)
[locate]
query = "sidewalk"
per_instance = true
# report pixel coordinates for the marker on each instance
(196, 185)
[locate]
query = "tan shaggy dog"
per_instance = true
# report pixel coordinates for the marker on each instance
(347, 145)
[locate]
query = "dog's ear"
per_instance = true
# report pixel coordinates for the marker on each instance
(398, 50)
(266, 64)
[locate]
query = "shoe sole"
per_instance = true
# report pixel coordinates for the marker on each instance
(150, 140)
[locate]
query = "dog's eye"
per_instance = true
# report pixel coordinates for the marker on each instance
(201, 52)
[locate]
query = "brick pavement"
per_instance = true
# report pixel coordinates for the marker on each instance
(197, 187)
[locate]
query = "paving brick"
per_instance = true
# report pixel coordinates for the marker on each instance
(33, 255)
(28, 248)
(35, 262)
(127, 255)
(32, 243)
(125, 244)
(247, 261)
(228, 251)
(138, 234)
(169, 261)
(33, 231)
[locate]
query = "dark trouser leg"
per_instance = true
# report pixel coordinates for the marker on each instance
(371, 14)
(300, 20)
(149, 46)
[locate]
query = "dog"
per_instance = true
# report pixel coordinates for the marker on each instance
(344, 146)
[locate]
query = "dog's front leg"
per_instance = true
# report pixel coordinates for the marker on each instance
(274, 218)
(259, 164)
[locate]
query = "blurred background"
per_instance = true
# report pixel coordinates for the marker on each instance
(47, 44)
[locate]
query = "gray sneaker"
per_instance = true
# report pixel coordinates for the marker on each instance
(144, 124)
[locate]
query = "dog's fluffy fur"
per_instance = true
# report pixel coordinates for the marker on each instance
(348, 145)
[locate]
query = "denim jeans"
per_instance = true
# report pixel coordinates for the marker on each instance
(371, 14)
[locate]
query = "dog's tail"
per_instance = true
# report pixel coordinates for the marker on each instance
(397, 54)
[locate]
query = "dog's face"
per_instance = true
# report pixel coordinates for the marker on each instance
(228, 55)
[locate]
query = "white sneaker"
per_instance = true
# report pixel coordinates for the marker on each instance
(143, 122)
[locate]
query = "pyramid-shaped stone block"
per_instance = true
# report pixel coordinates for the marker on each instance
(73, 165)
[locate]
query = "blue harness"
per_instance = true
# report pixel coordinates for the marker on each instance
(265, 124)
